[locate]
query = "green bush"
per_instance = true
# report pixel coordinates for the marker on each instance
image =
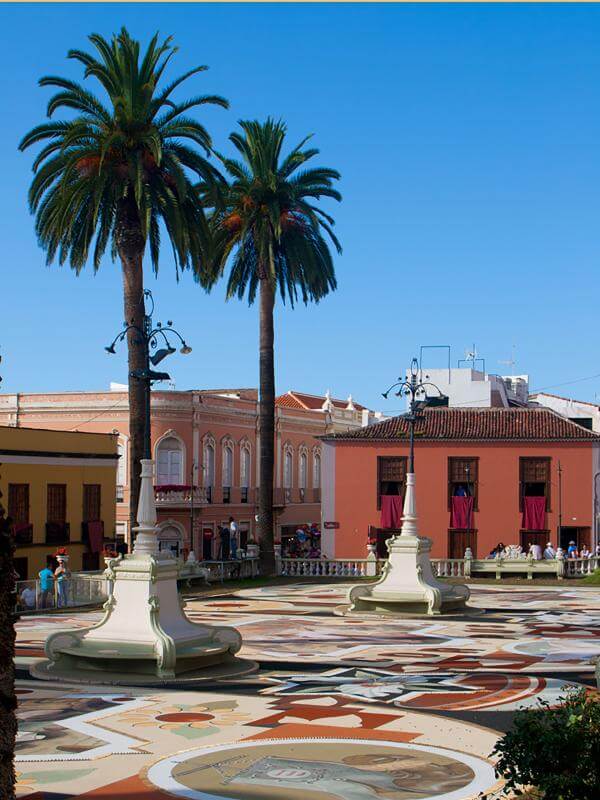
(593, 579)
(556, 750)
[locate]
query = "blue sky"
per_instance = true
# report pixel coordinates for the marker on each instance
(468, 142)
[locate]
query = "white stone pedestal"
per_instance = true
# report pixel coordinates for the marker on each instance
(144, 636)
(407, 585)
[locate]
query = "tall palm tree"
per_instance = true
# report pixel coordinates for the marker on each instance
(269, 232)
(116, 172)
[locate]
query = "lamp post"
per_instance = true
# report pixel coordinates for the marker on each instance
(414, 388)
(150, 336)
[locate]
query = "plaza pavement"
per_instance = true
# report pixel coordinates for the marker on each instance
(342, 708)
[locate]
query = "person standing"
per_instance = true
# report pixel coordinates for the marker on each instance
(46, 577)
(233, 537)
(62, 575)
(223, 543)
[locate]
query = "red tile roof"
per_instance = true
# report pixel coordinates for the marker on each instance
(310, 402)
(479, 424)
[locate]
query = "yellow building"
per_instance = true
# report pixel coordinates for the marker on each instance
(58, 488)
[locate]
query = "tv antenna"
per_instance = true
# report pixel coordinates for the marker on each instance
(512, 361)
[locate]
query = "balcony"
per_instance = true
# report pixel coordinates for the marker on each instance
(226, 494)
(172, 496)
(120, 493)
(58, 533)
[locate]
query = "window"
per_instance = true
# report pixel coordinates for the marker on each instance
(302, 466)
(534, 474)
(317, 471)
(391, 476)
(227, 466)
(245, 466)
(208, 461)
(288, 469)
(463, 479)
(170, 462)
(56, 509)
(18, 503)
(91, 502)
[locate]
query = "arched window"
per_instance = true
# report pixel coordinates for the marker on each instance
(170, 539)
(245, 462)
(169, 461)
(302, 462)
(208, 464)
(288, 469)
(227, 465)
(317, 470)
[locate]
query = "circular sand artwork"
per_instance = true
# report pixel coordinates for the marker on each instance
(322, 769)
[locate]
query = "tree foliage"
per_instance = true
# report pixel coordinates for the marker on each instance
(129, 158)
(556, 750)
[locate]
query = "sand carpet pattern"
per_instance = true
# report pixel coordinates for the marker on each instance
(348, 709)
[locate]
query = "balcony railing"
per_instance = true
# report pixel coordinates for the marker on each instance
(58, 533)
(227, 494)
(168, 496)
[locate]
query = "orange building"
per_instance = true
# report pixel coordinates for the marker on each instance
(205, 444)
(484, 476)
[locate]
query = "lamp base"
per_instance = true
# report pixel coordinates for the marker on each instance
(407, 585)
(144, 637)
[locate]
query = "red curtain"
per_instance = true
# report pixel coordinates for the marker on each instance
(534, 513)
(96, 535)
(461, 513)
(391, 511)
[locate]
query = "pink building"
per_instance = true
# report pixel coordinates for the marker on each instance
(206, 444)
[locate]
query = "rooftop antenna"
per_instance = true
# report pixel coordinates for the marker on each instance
(472, 358)
(512, 361)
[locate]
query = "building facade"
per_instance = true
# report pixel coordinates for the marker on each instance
(483, 476)
(58, 489)
(206, 446)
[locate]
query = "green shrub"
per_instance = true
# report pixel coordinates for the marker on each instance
(556, 750)
(593, 579)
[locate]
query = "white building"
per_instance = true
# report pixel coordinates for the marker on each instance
(580, 411)
(471, 388)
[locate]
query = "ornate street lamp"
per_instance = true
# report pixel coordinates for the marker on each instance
(151, 337)
(416, 389)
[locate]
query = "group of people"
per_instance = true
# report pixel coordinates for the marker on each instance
(55, 573)
(549, 552)
(305, 543)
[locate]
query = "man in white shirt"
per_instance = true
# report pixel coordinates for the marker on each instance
(536, 552)
(549, 551)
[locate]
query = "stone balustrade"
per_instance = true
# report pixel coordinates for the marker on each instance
(327, 567)
(180, 496)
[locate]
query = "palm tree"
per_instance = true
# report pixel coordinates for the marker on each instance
(115, 173)
(270, 233)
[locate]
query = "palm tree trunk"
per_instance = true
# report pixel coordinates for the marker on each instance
(266, 415)
(8, 701)
(130, 245)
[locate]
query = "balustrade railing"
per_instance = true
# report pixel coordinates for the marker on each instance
(448, 567)
(179, 495)
(326, 567)
(578, 567)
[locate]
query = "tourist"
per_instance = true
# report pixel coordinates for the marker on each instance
(535, 551)
(27, 598)
(223, 543)
(46, 577)
(549, 551)
(572, 550)
(584, 552)
(233, 537)
(62, 575)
